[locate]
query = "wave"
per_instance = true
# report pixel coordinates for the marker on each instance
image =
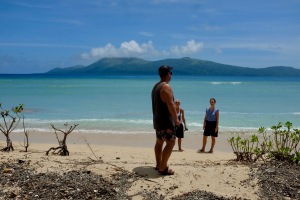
(63, 86)
(52, 121)
(195, 124)
(93, 131)
(194, 128)
(264, 113)
(225, 83)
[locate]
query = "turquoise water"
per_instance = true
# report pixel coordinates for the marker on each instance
(123, 104)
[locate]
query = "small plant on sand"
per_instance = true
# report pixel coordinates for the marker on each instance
(246, 149)
(286, 142)
(282, 144)
(9, 121)
(26, 135)
(62, 148)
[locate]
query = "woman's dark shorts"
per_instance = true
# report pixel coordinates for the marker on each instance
(180, 131)
(164, 135)
(210, 129)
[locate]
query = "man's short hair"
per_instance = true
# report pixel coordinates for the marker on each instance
(164, 70)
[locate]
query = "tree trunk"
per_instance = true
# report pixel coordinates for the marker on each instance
(9, 146)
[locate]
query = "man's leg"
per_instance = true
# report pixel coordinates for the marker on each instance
(158, 151)
(166, 154)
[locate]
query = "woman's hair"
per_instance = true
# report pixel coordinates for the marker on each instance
(213, 99)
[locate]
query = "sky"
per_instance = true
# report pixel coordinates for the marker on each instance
(39, 35)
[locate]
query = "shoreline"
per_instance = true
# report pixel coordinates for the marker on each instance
(191, 141)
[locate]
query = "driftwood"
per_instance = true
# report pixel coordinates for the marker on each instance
(62, 149)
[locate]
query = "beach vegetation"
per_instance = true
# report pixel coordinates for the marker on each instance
(62, 149)
(26, 135)
(9, 122)
(281, 144)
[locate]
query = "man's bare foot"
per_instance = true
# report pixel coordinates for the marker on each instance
(210, 151)
(200, 151)
(166, 172)
(181, 150)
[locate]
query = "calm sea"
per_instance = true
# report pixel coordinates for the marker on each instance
(122, 105)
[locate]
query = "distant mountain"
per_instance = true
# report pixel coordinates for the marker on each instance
(183, 66)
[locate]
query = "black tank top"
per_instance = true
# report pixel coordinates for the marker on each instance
(162, 119)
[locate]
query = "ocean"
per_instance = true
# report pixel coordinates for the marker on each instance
(122, 105)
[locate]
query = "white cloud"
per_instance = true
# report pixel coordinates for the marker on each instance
(42, 45)
(62, 21)
(191, 47)
(131, 48)
(204, 27)
(174, 1)
(147, 34)
(211, 28)
(31, 5)
(218, 50)
(134, 49)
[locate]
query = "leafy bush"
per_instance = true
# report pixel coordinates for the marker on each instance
(286, 143)
(8, 122)
(281, 144)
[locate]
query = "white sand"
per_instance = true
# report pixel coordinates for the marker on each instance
(211, 172)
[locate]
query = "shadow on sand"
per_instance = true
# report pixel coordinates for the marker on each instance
(147, 172)
(174, 150)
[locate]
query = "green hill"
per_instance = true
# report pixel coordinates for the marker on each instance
(183, 66)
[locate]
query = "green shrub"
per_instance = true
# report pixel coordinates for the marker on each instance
(9, 120)
(281, 144)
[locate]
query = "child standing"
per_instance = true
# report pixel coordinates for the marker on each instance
(210, 126)
(182, 127)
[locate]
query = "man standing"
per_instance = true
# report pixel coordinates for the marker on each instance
(164, 119)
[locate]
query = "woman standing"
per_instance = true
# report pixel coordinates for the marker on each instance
(210, 126)
(182, 127)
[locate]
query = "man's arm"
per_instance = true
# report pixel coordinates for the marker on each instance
(166, 95)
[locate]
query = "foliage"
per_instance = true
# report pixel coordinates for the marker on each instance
(26, 135)
(9, 121)
(281, 144)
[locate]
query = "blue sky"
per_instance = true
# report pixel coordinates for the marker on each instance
(38, 35)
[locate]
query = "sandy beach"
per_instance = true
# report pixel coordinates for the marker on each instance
(215, 173)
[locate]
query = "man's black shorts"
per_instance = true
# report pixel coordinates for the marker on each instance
(164, 135)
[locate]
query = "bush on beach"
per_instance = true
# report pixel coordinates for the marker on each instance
(281, 144)
(9, 121)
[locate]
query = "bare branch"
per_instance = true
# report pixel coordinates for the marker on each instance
(72, 128)
(90, 147)
(57, 129)
(26, 139)
(5, 122)
(63, 149)
(15, 126)
(2, 129)
(57, 137)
